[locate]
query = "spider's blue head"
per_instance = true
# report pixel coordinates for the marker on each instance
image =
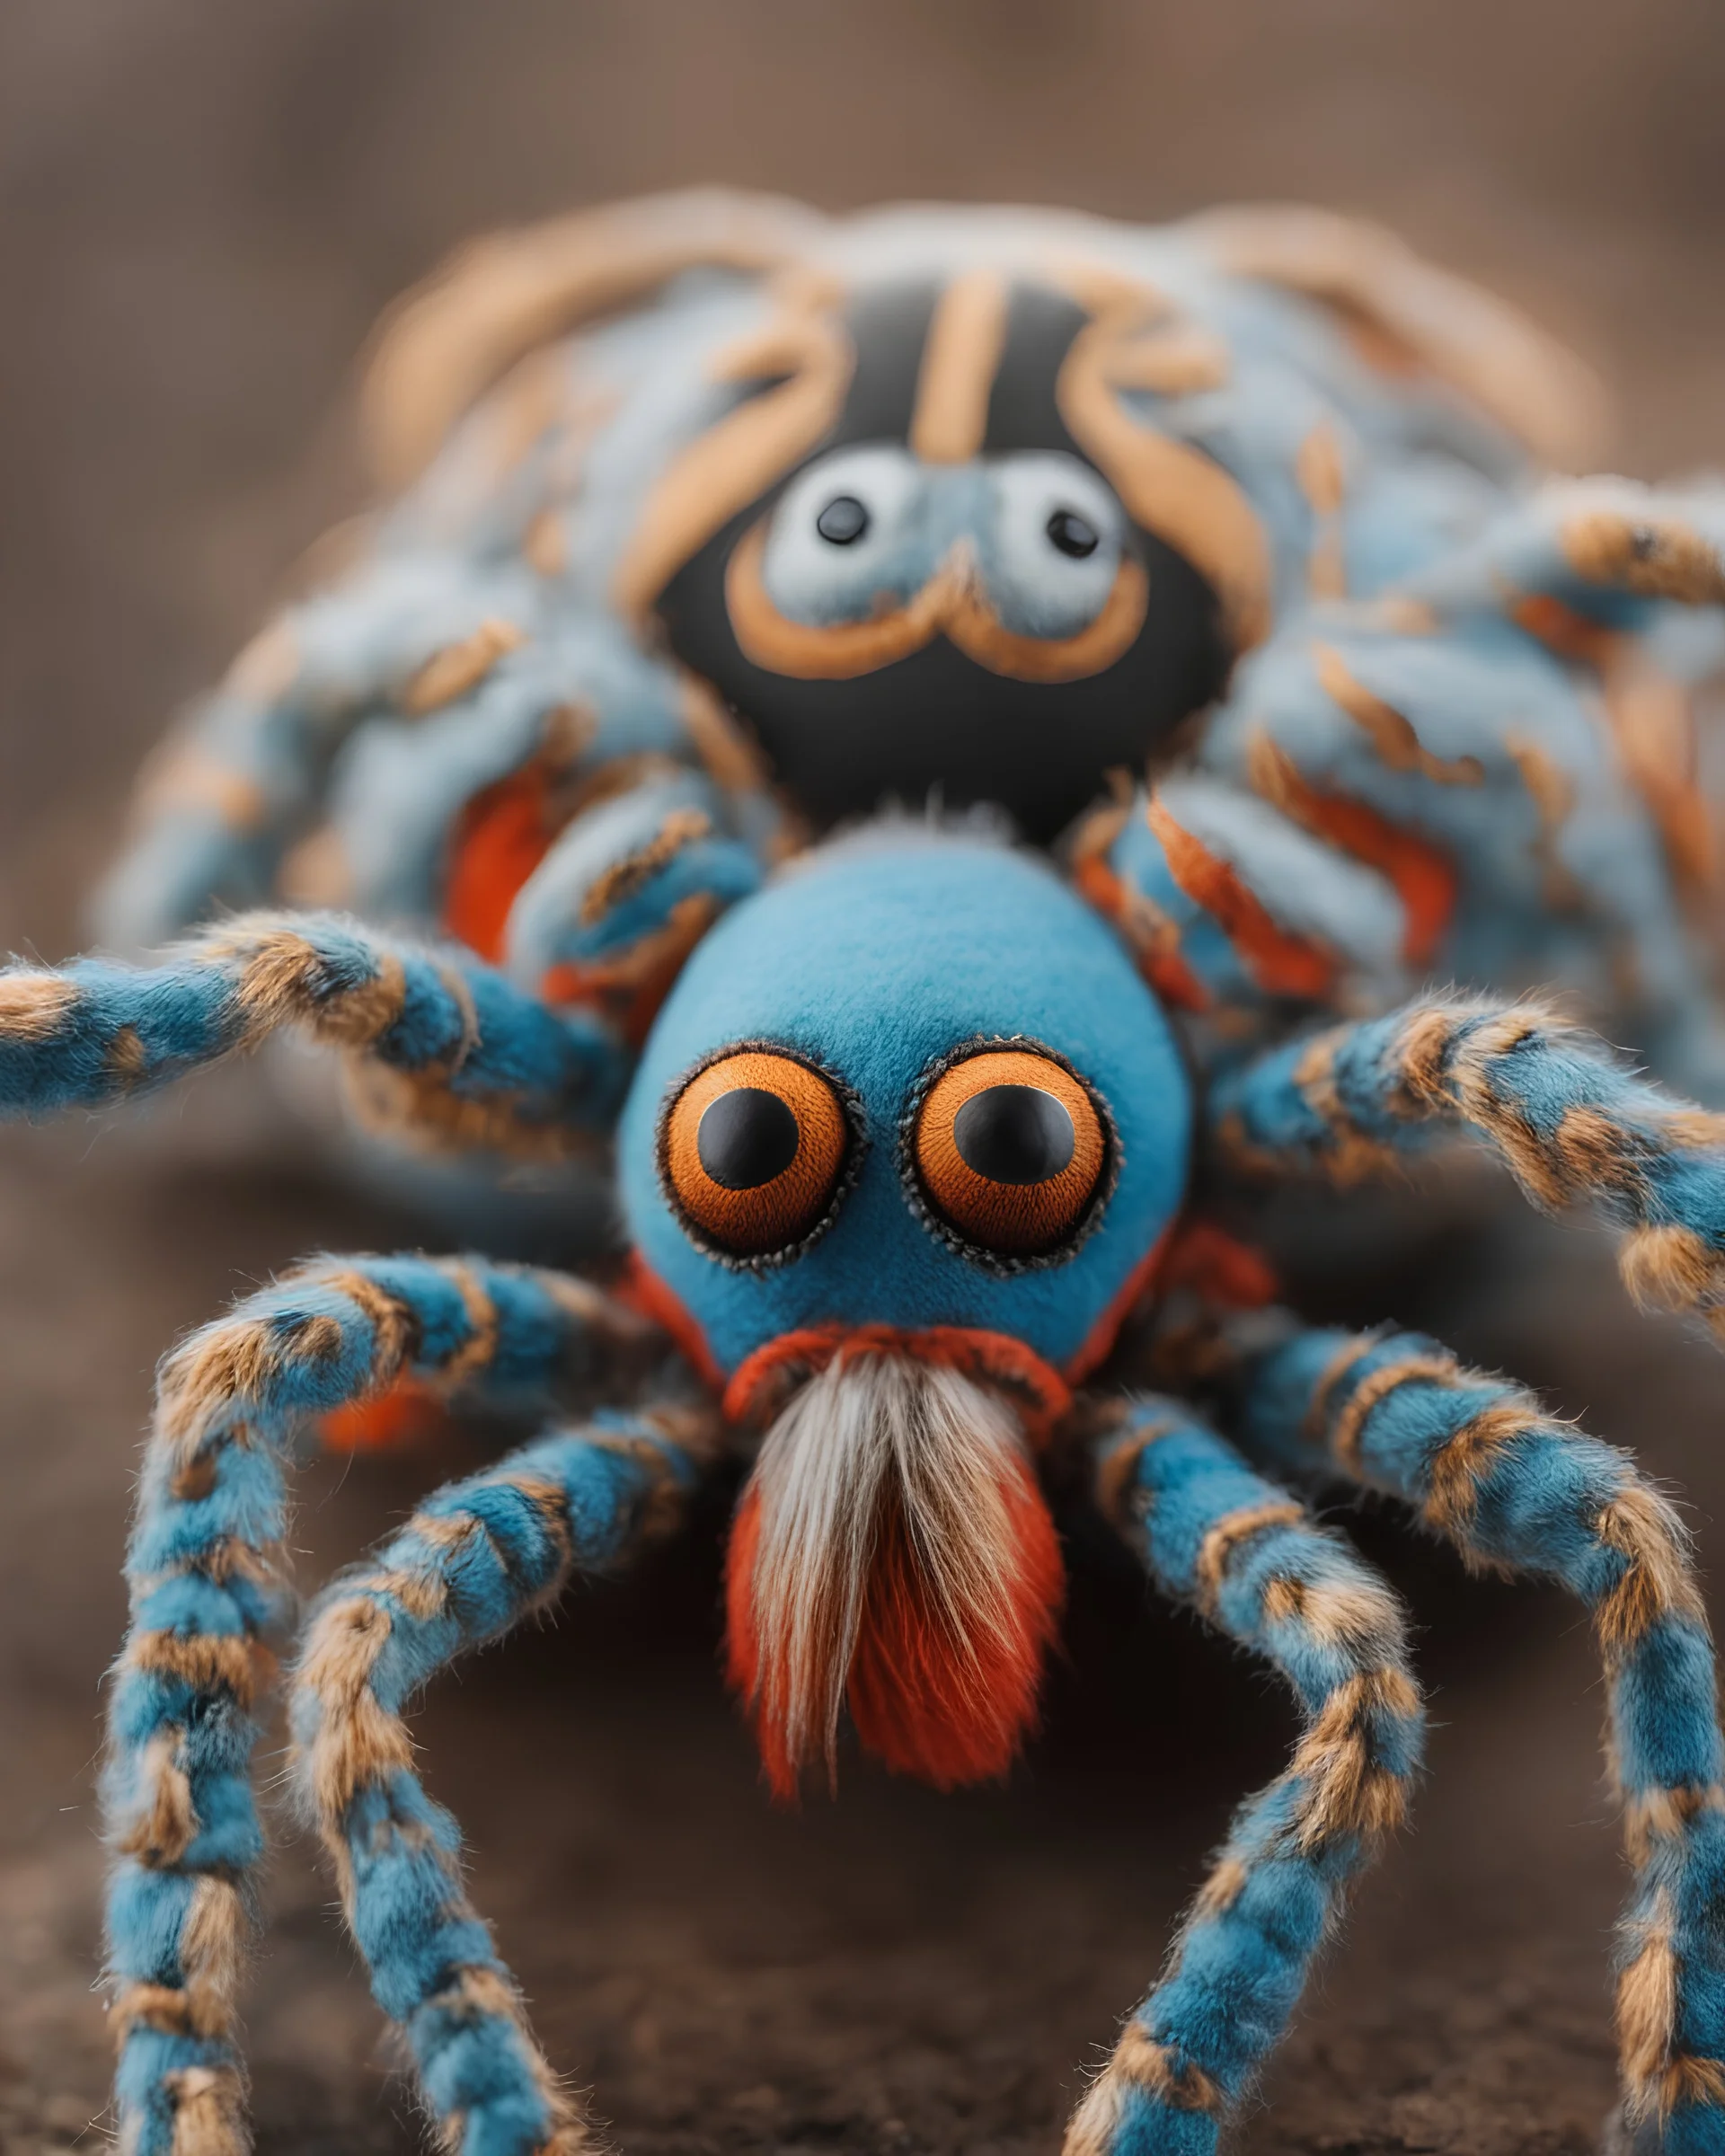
(917, 1084)
(901, 1148)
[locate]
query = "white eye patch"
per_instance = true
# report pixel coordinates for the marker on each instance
(1051, 547)
(851, 528)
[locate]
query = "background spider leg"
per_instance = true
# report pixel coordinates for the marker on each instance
(1568, 1121)
(247, 772)
(438, 1042)
(1253, 1562)
(472, 1562)
(1517, 1491)
(1610, 551)
(1229, 906)
(207, 1585)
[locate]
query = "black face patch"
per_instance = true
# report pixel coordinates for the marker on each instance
(1023, 412)
(938, 721)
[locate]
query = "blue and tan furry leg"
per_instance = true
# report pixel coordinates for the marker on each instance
(475, 1561)
(1517, 1491)
(209, 1589)
(439, 1044)
(1569, 1123)
(1250, 1558)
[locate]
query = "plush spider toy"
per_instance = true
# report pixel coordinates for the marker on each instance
(907, 1142)
(722, 522)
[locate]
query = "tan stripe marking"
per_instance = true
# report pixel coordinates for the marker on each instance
(1421, 1056)
(1468, 1455)
(1658, 1584)
(1117, 1471)
(734, 462)
(1647, 2007)
(391, 1320)
(423, 1593)
(1552, 791)
(209, 2112)
(1176, 361)
(1139, 2059)
(1692, 2080)
(1654, 1816)
(161, 1834)
(1221, 1890)
(210, 1372)
(961, 359)
(1653, 556)
(681, 828)
(1596, 1153)
(1168, 487)
(418, 1106)
(460, 667)
(1390, 734)
(460, 992)
(33, 1005)
(357, 1742)
(545, 545)
(1347, 1428)
(477, 1992)
(1234, 1528)
(206, 1661)
(477, 1351)
(1317, 1409)
(1669, 1268)
(1349, 1156)
(1359, 1615)
(1347, 1791)
(1318, 467)
(280, 972)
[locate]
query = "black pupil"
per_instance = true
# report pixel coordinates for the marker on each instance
(1014, 1133)
(746, 1137)
(842, 520)
(1072, 534)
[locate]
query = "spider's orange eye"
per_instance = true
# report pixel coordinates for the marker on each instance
(752, 1150)
(1009, 1150)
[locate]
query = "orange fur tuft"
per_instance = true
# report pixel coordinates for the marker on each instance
(503, 836)
(893, 1554)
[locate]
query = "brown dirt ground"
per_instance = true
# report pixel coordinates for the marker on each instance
(200, 208)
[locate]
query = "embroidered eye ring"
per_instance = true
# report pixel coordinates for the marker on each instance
(1010, 1155)
(754, 1152)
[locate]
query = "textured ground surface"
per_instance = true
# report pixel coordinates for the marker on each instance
(200, 207)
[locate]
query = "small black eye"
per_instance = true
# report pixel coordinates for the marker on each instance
(747, 1137)
(1014, 1133)
(1072, 533)
(843, 521)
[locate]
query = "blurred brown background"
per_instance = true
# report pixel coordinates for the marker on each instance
(202, 206)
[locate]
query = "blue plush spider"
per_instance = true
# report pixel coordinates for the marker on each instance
(907, 1142)
(725, 521)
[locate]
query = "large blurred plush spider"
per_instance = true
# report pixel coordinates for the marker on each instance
(721, 521)
(907, 1142)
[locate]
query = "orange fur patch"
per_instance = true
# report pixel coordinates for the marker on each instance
(948, 1712)
(406, 1412)
(1422, 875)
(503, 836)
(1281, 963)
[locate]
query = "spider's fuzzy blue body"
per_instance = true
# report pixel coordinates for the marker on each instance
(906, 1142)
(719, 520)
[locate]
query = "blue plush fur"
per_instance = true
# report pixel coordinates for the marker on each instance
(957, 941)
